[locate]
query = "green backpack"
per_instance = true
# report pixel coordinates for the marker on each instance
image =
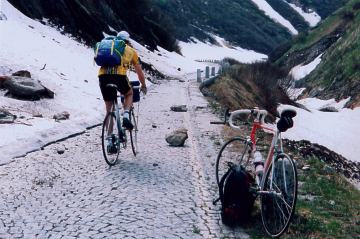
(108, 51)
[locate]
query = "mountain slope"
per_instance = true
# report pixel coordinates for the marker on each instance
(88, 19)
(338, 39)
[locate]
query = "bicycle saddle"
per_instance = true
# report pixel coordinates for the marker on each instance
(286, 121)
(288, 113)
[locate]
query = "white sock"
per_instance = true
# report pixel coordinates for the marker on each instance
(126, 114)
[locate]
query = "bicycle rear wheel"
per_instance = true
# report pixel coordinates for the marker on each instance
(278, 204)
(134, 132)
(234, 151)
(110, 139)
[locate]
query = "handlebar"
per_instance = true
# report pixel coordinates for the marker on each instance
(257, 113)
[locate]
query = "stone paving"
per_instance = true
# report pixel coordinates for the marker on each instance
(164, 192)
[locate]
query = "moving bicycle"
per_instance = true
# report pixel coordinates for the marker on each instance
(115, 56)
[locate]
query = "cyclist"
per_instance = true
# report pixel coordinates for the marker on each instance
(117, 75)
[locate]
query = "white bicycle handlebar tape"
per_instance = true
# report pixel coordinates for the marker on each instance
(260, 116)
(235, 113)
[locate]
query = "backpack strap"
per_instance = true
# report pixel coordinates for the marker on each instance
(221, 184)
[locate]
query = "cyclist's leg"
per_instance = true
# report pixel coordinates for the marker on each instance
(109, 95)
(126, 90)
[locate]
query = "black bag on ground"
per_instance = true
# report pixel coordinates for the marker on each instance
(237, 200)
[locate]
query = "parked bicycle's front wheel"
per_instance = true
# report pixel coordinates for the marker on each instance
(134, 132)
(278, 197)
(110, 139)
(234, 151)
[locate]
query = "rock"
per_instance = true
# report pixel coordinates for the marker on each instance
(62, 116)
(26, 88)
(306, 168)
(38, 115)
(179, 108)
(332, 202)
(60, 150)
(177, 138)
(6, 117)
(329, 109)
(22, 73)
(2, 80)
(328, 169)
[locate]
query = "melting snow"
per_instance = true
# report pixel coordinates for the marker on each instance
(198, 50)
(300, 71)
(311, 17)
(269, 11)
(337, 131)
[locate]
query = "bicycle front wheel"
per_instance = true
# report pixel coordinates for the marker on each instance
(134, 133)
(110, 139)
(234, 151)
(278, 198)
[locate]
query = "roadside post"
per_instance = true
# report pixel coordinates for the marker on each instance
(199, 75)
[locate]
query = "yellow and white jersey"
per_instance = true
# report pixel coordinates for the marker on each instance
(129, 58)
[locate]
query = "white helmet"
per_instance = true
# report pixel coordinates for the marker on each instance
(124, 35)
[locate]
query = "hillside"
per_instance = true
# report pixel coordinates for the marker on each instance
(88, 20)
(161, 22)
(337, 40)
(241, 21)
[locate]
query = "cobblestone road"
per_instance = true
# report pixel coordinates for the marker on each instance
(165, 192)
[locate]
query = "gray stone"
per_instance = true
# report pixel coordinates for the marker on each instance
(26, 88)
(329, 109)
(22, 73)
(6, 117)
(61, 116)
(177, 138)
(179, 108)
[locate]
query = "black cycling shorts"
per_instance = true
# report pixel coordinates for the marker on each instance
(121, 81)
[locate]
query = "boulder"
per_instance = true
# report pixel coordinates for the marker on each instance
(22, 73)
(329, 109)
(6, 117)
(179, 108)
(25, 88)
(61, 116)
(2, 80)
(177, 138)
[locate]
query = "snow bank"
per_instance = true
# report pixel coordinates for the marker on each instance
(269, 11)
(300, 71)
(68, 70)
(337, 131)
(198, 50)
(311, 17)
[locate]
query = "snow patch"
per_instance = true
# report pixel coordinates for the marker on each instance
(197, 50)
(311, 17)
(300, 71)
(337, 131)
(269, 11)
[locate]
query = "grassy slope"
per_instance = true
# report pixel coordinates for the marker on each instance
(338, 74)
(332, 213)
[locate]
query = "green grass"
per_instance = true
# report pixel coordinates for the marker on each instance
(333, 213)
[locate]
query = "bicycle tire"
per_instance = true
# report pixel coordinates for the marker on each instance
(134, 133)
(110, 158)
(233, 151)
(278, 210)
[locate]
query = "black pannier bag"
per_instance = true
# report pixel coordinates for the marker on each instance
(236, 196)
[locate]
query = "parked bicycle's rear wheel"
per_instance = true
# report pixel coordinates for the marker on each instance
(278, 204)
(234, 151)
